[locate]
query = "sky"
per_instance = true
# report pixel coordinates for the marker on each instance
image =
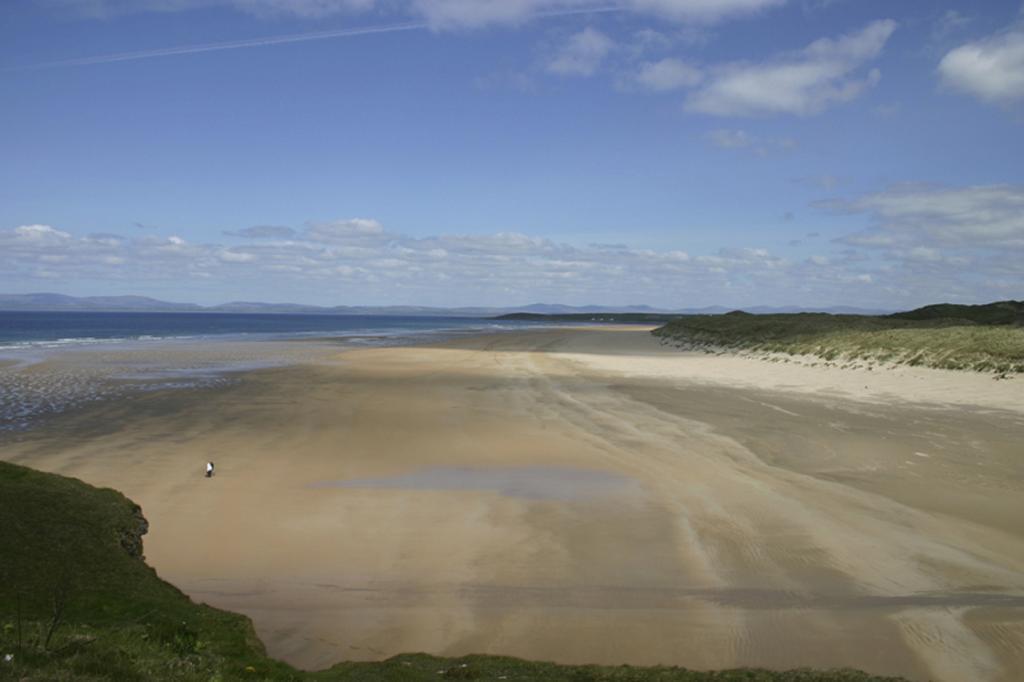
(674, 153)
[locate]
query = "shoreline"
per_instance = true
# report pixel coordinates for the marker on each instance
(504, 493)
(44, 378)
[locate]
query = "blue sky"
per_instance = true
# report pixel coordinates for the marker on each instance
(459, 152)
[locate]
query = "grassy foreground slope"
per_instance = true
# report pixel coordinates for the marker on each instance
(78, 602)
(981, 338)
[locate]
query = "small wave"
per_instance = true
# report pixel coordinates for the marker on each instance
(75, 341)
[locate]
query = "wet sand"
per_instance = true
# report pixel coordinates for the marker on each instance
(38, 383)
(583, 496)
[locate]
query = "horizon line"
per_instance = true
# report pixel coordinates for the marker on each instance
(606, 308)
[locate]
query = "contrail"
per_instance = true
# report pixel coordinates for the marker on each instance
(231, 45)
(276, 40)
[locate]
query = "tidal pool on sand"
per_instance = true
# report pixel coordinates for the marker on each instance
(536, 482)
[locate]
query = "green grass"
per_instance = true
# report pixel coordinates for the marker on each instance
(74, 548)
(920, 340)
(1001, 312)
(78, 602)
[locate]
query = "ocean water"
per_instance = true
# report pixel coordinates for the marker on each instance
(51, 362)
(27, 330)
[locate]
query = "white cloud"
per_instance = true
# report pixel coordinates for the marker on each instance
(480, 12)
(665, 75)
(924, 253)
(582, 54)
(730, 139)
(303, 8)
(231, 256)
(986, 216)
(870, 239)
(805, 83)
(991, 69)
(263, 232)
(648, 40)
(377, 264)
(702, 10)
(474, 13)
(950, 22)
(342, 230)
(926, 242)
(439, 13)
(39, 234)
(742, 140)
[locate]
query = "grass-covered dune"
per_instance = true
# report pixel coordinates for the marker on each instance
(998, 313)
(982, 338)
(78, 602)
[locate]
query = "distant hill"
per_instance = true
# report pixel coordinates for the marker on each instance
(60, 302)
(90, 303)
(1000, 312)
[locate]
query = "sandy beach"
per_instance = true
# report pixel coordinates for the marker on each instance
(583, 496)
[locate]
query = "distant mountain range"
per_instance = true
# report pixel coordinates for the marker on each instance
(143, 304)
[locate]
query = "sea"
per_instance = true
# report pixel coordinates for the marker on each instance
(51, 362)
(34, 330)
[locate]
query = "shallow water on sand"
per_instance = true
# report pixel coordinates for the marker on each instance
(533, 483)
(53, 362)
(40, 383)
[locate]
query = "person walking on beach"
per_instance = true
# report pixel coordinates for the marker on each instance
(209, 469)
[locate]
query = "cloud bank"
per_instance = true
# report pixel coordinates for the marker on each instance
(909, 215)
(359, 260)
(921, 243)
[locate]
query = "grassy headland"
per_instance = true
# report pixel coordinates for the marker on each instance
(986, 338)
(78, 602)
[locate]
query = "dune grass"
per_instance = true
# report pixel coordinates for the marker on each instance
(78, 602)
(930, 342)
